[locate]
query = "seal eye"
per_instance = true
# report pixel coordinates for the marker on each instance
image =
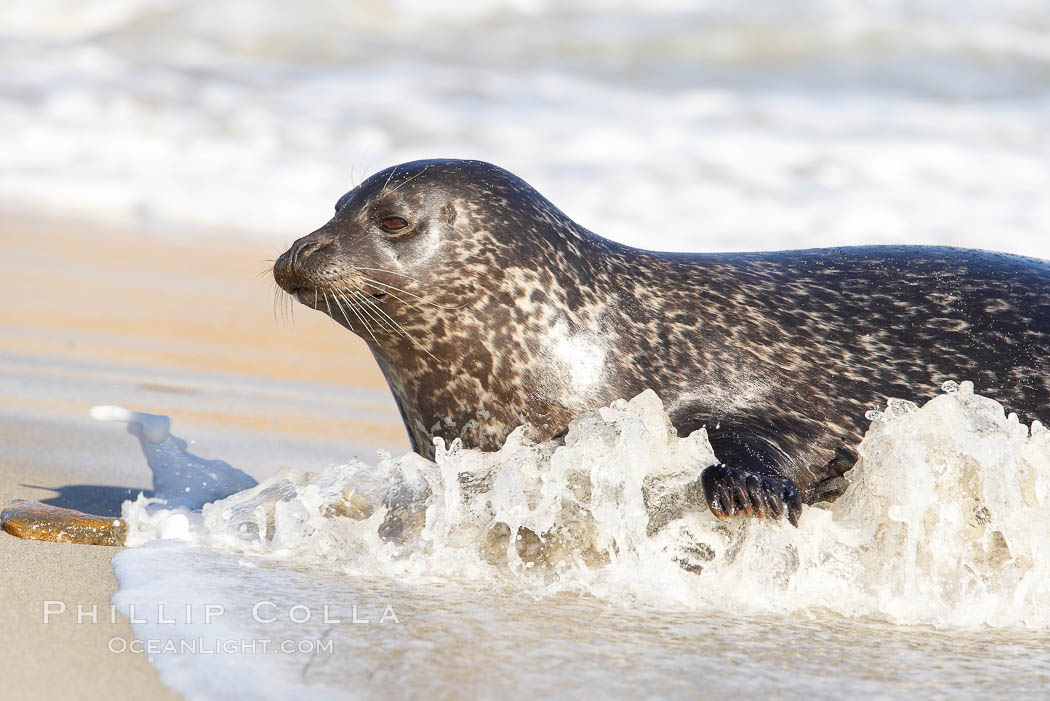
(393, 224)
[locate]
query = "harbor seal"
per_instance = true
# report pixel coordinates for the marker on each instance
(487, 308)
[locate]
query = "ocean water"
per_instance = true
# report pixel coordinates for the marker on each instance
(544, 570)
(592, 563)
(670, 124)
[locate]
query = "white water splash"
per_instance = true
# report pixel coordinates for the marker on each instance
(180, 478)
(944, 520)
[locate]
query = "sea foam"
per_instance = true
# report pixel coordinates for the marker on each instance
(943, 521)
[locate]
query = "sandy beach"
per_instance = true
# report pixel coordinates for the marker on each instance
(172, 324)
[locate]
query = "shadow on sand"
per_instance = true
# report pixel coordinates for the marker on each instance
(91, 498)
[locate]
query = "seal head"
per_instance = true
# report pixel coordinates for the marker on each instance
(466, 285)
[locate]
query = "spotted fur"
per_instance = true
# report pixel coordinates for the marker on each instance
(511, 313)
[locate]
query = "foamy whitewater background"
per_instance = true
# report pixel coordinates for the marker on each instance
(757, 125)
(544, 570)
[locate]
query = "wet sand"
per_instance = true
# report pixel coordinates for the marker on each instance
(182, 325)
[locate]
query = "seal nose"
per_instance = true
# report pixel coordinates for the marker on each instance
(304, 247)
(288, 268)
(283, 274)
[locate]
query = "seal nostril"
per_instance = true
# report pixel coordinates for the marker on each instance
(288, 269)
(299, 252)
(307, 246)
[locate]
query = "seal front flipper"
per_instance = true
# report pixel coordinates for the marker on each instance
(756, 475)
(729, 491)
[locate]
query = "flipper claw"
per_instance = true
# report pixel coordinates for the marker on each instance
(729, 491)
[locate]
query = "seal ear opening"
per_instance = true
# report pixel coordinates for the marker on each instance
(450, 213)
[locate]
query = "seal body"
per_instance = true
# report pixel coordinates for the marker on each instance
(487, 308)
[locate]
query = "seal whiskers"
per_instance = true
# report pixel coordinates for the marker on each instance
(394, 325)
(283, 308)
(386, 289)
(407, 180)
(335, 296)
(369, 280)
(363, 315)
(329, 306)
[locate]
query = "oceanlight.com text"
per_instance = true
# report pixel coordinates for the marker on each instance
(205, 646)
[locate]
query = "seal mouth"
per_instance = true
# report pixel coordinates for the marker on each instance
(308, 296)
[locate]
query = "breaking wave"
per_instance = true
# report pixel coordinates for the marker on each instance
(944, 520)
